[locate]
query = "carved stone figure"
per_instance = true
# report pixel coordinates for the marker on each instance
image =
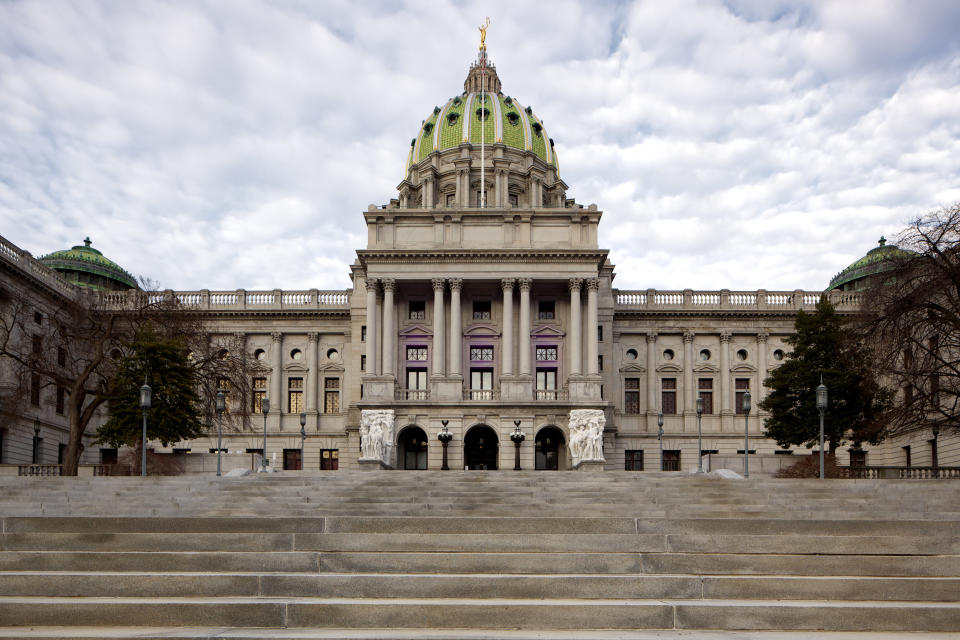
(586, 435)
(376, 435)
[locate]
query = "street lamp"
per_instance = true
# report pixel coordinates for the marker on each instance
(36, 441)
(660, 436)
(444, 436)
(221, 406)
(699, 435)
(303, 435)
(746, 434)
(821, 407)
(264, 407)
(145, 394)
(517, 436)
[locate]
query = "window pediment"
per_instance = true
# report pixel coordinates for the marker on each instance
(672, 368)
(481, 330)
(416, 330)
(706, 368)
(547, 331)
(743, 368)
(633, 368)
(295, 368)
(331, 368)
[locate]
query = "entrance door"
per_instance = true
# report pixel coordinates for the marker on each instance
(413, 448)
(480, 448)
(547, 449)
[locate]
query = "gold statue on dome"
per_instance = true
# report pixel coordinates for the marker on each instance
(483, 34)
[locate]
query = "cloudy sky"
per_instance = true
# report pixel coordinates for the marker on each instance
(740, 144)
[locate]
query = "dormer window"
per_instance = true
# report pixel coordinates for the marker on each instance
(452, 118)
(427, 128)
(513, 118)
(538, 129)
(483, 113)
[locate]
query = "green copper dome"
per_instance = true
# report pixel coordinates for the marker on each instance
(86, 267)
(877, 260)
(476, 113)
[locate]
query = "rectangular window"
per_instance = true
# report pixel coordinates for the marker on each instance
(331, 395)
(906, 456)
(291, 460)
(668, 396)
(742, 385)
(61, 453)
(633, 460)
(329, 459)
(417, 309)
(37, 345)
(363, 333)
(259, 393)
(631, 396)
(223, 386)
(294, 395)
(417, 384)
(546, 354)
(61, 356)
(546, 310)
(482, 196)
(108, 456)
(934, 458)
(61, 399)
(37, 317)
(451, 200)
(417, 353)
(546, 384)
(858, 458)
(514, 200)
(258, 452)
(600, 333)
(671, 460)
(599, 363)
(481, 309)
(481, 384)
(35, 389)
(481, 354)
(363, 363)
(705, 388)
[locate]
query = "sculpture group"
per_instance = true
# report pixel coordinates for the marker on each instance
(376, 436)
(586, 435)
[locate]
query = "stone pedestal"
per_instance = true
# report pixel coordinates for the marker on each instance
(584, 387)
(372, 465)
(589, 465)
(446, 388)
(379, 388)
(516, 388)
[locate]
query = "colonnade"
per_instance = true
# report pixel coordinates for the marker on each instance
(381, 333)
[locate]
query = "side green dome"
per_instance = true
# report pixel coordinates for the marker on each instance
(86, 267)
(498, 118)
(877, 260)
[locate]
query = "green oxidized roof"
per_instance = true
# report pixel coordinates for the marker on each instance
(876, 260)
(85, 259)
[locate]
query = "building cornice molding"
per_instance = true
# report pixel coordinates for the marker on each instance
(383, 256)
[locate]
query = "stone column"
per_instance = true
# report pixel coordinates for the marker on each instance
(524, 341)
(506, 357)
(576, 337)
(690, 391)
(593, 284)
(438, 342)
(761, 391)
(652, 405)
(276, 379)
(371, 284)
(389, 313)
(313, 367)
(456, 332)
(725, 372)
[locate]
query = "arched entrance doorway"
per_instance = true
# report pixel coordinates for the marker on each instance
(412, 448)
(480, 448)
(549, 449)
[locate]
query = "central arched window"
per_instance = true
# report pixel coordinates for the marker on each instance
(412, 448)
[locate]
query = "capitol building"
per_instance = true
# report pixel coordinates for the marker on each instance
(482, 306)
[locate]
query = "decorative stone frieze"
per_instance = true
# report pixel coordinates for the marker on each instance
(376, 436)
(586, 435)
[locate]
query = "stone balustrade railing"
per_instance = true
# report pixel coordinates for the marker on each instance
(726, 300)
(241, 299)
(22, 260)
(901, 473)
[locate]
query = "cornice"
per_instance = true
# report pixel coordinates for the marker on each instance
(373, 256)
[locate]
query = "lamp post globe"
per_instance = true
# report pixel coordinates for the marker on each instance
(699, 434)
(264, 408)
(822, 408)
(221, 405)
(444, 436)
(518, 437)
(146, 394)
(746, 434)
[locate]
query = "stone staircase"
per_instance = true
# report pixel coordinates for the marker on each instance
(477, 555)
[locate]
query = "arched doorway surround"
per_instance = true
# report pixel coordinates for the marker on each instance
(412, 445)
(550, 449)
(480, 448)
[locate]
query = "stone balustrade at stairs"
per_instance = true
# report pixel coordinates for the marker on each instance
(476, 554)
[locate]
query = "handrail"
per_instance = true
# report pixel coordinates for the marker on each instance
(727, 300)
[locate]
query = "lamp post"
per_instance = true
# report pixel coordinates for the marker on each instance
(303, 435)
(221, 405)
(444, 436)
(821, 407)
(36, 441)
(517, 436)
(699, 435)
(746, 434)
(660, 436)
(145, 394)
(264, 407)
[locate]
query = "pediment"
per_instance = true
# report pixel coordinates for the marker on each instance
(547, 331)
(672, 368)
(743, 368)
(295, 367)
(331, 368)
(706, 368)
(633, 368)
(416, 330)
(484, 330)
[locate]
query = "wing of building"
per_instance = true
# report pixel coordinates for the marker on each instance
(482, 307)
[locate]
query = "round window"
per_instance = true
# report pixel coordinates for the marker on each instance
(296, 354)
(631, 354)
(260, 354)
(668, 354)
(778, 354)
(332, 354)
(705, 354)
(742, 354)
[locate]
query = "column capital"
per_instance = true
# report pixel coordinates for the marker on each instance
(688, 336)
(725, 337)
(277, 336)
(437, 284)
(313, 336)
(575, 284)
(371, 284)
(389, 284)
(456, 284)
(762, 337)
(592, 284)
(651, 337)
(507, 284)
(525, 283)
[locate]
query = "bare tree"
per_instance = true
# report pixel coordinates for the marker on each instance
(911, 319)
